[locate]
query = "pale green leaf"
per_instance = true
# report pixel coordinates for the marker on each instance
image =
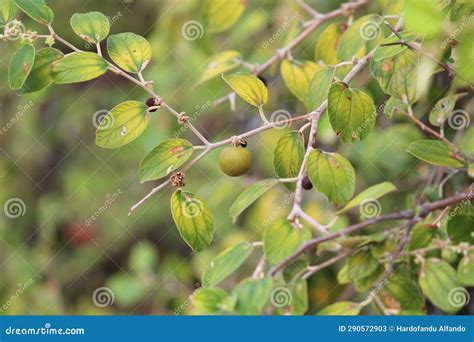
(332, 175)
(424, 16)
(193, 219)
(397, 75)
(37, 10)
(21, 65)
(351, 112)
(372, 193)
(318, 87)
(384, 52)
(208, 300)
(226, 263)
(123, 124)
(253, 295)
(92, 27)
(281, 239)
(129, 51)
(288, 155)
(466, 269)
(78, 67)
(443, 109)
(436, 152)
(164, 158)
(297, 75)
(222, 14)
(393, 105)
(40, 76)
(341, 309)
(250, 195)
(219, 63)
(438, 281)
(249, 87)
(326, 47)
(7, 11)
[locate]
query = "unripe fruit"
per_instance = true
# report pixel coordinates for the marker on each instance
(306, 183)
(234, 161)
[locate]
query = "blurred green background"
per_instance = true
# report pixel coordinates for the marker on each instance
(57, 257)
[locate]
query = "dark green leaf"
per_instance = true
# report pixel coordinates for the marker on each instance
(20, 66)
(288, 155)
(281, 239)
(436, 152)
(36, 10)
(40, 76)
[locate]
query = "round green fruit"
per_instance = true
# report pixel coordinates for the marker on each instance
(234, 161)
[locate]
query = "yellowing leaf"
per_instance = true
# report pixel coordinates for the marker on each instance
(249, 87)
(36, 10)
(78, 67)
(297, 75)
(332, 175)
(281, 239)
(219, 63)
(341, 309)
(7, 11)
(123, 124)
(92, 27)
(222, 14)
(326, 47)
(288, 155)
(129, 51)
(351, 112)
(193, 219)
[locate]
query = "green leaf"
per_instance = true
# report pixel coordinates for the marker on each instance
(7, 11)
(363, 31)
(466, 269)
(405, 290)
(326, 47)
(20, 66)
(249, 87)
(193, 219)
(92, 27)
(465, 53)
(78, 67)
(40, 76)
(384, 52)
(207, 300)
(123, 124)
(438, 280)
(341, 309)
(295, 269)
(318, 87)
(436, 152)
(332, 175)
(361, 265)
(467, 141)
(281, 239)
(297, 75)
(127, 291)
(288, 155)
(221, 15)
(392, 105)
(250, 195)
(129, 51)
(220, 63)
(226, 263)
(397, 75)
(372, 193)
(417, 11)
(351, 112)
(143, 258)
(299, 301)
(460, 226)
(421, 236)
(37, 10)
(165, 158)
(443, 109)
(253, 295)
